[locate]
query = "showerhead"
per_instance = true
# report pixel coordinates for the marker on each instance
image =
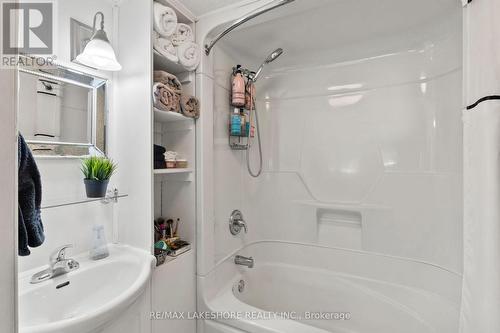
(270, 58)
(274, 55)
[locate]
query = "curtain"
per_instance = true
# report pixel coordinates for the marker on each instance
(480, 308)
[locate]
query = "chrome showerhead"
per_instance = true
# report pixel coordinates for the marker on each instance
(270, 58)
(274, 55)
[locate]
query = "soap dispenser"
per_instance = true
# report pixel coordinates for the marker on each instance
(99, 246)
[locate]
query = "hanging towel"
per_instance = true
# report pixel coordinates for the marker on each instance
(189, 55)
(190, 106)
(165, 47)
(183, 34)
(30, 225)
(165, 20)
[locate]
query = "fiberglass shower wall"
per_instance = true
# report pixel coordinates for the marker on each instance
(362, 138)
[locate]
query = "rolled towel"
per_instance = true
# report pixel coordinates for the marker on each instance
(189, 55)
(165, 20)
(165, 47)
(183, 34)
(190, 106)
(168, 79)
(165, 98)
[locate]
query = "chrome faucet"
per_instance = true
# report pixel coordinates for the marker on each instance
(58, 265)
(244, 261)
(236, 223)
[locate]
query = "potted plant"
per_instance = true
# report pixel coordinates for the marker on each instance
(97, 171)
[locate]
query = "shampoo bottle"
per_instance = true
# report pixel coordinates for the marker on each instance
(238, 90)
(236, 123)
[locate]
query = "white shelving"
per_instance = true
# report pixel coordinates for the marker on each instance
(172, 171)
(169, 116)
(164, 64)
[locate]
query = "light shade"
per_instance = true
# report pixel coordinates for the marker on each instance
(99, 53)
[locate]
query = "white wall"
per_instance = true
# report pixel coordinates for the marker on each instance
(372, 140)
(8, 201)
(62, 180)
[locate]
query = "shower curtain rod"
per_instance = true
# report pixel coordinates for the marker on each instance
(240, 21)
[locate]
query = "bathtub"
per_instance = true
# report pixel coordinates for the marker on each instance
(300, 288)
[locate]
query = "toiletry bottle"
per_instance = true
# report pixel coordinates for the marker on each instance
(99, 247)
(247, 122)
(243, 125)
(238, 90)
(236, 123)
(250, 95)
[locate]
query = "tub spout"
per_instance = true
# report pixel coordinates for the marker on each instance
(244, 261)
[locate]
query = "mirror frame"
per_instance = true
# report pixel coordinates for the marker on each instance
(67, 75)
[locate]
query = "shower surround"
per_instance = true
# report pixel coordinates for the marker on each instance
(362, 143)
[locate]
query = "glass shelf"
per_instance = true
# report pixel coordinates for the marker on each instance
(112, 196)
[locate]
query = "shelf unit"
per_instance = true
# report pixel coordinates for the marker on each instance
(169, 116)
(172, 171)
(174, 194)
(174, 189)
(111, 196)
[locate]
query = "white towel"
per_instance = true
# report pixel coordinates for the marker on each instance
(165, 20)
(183, 34)
(165, 47)
(189, 55)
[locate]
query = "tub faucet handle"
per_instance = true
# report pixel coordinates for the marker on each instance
(236, 223)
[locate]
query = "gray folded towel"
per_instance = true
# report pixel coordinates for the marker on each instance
(30, 225)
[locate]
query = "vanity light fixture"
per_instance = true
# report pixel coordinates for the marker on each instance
(98, 52)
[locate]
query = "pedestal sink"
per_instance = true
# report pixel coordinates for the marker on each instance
(88, 298)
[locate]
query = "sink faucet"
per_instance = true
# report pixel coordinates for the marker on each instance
(236, 223)
(244, 261)
(58, 265)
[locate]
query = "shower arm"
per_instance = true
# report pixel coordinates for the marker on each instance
(242, 20)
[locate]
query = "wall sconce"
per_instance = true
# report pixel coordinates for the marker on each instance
(99, 53)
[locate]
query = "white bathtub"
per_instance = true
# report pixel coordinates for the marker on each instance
(372, 293)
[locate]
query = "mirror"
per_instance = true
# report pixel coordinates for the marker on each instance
(62, 112)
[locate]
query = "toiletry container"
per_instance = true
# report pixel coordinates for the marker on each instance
(250, 95)
(99, 246)
(236, 123)
(238, 90)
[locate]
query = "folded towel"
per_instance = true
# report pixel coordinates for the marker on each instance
(165, 47)
(190, 106)
(165, 20)
(165, 98)
(183, 34)
(30, 227)
(158, 152)
(167, 79)
(189, 55)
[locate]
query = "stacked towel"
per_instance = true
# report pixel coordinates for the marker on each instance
(159, 159)
(165, 47)
(190, 106)
(165, 20)
(173, 40)
(183, 34)
(189, 55)
(166, 91)
(30, 227)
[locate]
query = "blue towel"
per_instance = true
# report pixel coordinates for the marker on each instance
(30, 227)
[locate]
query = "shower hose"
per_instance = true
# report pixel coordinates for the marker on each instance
(257, 174)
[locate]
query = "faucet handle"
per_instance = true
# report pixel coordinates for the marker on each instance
(236, 223)
(59, 254)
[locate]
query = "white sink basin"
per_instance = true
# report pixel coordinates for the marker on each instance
(97, 292)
